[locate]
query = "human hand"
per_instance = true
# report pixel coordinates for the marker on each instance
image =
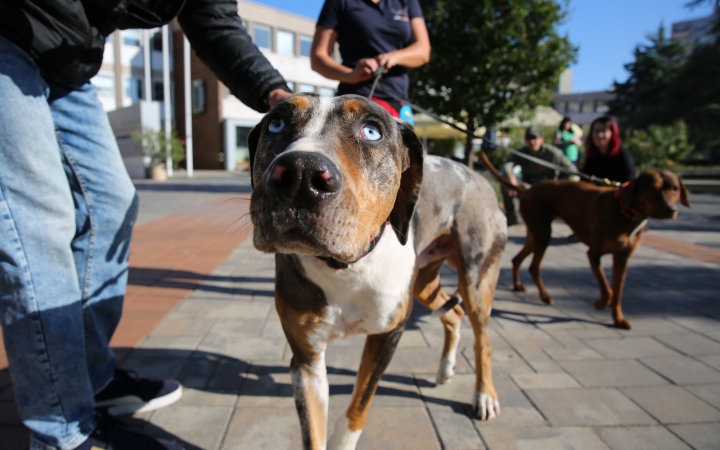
(277, 96)
(362, 71)
(389, 60)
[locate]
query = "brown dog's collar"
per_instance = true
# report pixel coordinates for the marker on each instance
(337, 265)
(630, 213)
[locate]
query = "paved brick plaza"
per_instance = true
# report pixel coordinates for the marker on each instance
(200, 308)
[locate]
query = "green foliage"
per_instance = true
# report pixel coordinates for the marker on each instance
(644, 98)
(659, 146)
(490, 58)
(153, 144)
(442, 147)
(668, 84)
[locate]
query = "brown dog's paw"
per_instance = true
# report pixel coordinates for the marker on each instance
(519, 287)
(546, 299)
(601, 304)
(623, 324)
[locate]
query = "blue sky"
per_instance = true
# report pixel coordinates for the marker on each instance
(606, 31)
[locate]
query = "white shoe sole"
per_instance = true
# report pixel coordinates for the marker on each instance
(132, 404)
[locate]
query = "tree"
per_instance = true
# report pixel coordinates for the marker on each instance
(696, 94)
(645, 97)
(659, 146)
(490, 59)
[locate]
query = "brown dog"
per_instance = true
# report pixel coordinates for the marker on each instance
(606, 219)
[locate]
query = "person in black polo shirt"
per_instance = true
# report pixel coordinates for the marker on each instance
(371, 34)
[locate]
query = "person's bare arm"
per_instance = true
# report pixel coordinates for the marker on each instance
(322, 62)
(414, 55)
(557, 139)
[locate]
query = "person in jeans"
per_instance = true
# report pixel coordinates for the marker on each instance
(67, 207)
(531, 171)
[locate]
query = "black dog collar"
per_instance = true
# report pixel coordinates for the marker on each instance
(337, 265)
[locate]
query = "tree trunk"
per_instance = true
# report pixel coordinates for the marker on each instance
(467, 157)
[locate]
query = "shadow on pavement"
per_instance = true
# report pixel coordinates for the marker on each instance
(182, 187)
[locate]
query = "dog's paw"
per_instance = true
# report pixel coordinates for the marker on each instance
(446, 371)
(485, 407)
(519, 287)
(547, 299)
(602, 304)
(622, 324)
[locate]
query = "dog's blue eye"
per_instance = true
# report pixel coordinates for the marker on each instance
(370, 132)
(276, 125)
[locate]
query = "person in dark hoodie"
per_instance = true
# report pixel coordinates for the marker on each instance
(67, 207)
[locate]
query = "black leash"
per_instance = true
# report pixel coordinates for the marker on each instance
(591, 178)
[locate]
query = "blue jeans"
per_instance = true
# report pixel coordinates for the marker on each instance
(67, 208)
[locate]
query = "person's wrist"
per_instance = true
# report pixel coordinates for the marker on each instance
(277, 96)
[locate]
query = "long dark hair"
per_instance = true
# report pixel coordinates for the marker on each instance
(564, 122)
(615, 141)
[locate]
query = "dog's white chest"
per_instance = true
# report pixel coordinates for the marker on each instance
(365, 297)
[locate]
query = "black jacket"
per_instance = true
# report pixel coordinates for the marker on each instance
(66, 38)
(619, 168)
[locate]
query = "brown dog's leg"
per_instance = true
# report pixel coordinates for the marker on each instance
(517, 261)
(430, 293)
(541, 231)
(605, 292)
(378, 351)
(620, 261)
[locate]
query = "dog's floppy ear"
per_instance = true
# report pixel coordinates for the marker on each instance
(410, 181)
(253, 139)
(683, 194)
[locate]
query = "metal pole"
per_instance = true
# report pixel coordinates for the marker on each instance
(188, 108)
(166, 98)
(147, 65)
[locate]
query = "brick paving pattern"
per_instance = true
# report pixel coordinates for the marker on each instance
(203, 312)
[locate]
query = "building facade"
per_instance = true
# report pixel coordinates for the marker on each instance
(220, 122)
(696, 31)
(584, 107)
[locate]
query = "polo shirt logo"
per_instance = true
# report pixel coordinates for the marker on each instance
(401, 14)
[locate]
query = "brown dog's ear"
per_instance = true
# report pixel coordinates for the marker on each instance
(683, 194)
(410, 181)
(253, 139)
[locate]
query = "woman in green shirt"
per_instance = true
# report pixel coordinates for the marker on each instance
(566, 140)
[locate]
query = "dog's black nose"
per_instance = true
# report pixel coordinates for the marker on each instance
(303, 177)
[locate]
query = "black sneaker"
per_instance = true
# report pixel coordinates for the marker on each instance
(110, 434)
(128, 394)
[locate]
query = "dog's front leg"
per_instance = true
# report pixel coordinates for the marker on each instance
(311, 392)
(619, 273)
(378, 351)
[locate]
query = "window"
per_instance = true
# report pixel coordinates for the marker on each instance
(158, 92)
(105, 85)
(306, 88)
(262, 36)
(286, 43)
(327, 92)
(291, 85)
(305, 44)
(131, 37)
(133, 88)
(198, 96)
(601, 107)
(241, 145)
(156, 41)
(572, 107)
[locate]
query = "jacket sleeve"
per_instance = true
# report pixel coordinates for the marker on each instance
(220, 40)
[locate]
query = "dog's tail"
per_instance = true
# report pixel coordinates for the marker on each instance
(496, 174)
